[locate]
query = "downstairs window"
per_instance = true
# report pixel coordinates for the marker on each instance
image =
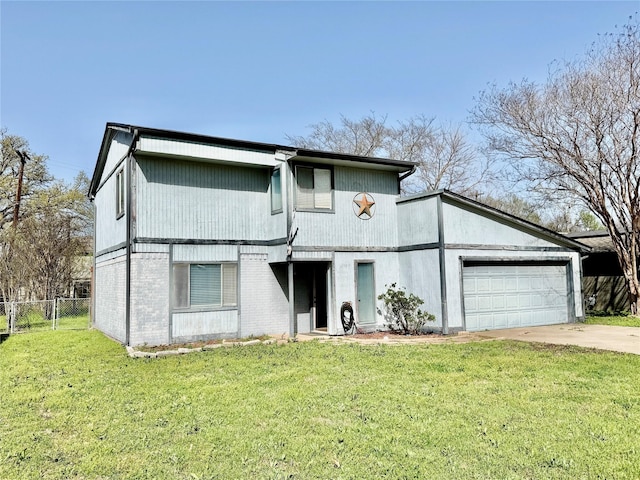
(203, 285)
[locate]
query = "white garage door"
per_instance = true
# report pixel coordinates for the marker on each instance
(514, 295)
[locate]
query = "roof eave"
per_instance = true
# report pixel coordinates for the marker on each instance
(527, 225)
(302, 154)
(554, 236)
(110, 131)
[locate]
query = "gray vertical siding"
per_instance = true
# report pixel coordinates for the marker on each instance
(385, 273)
(117, 151)
(197, 200)
(342, 227)
(190, 326)
(417, 221)
(208, 151)
(109, 230)
(205, 253)
(462, 226)
(420, 275)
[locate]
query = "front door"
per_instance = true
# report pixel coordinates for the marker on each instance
(365, 292)
(320, 297)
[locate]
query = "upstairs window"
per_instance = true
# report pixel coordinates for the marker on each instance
(120, 193)
(314, 188)
(276, 191)
(208, 285)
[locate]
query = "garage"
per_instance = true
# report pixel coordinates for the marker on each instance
(514, 294)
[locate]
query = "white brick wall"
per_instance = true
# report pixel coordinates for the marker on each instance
(263, 302)
(110, 303)
(150, 298)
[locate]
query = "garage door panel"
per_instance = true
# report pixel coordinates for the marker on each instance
(498, 302)
(511, 302)
(500, 320)
(483, 284)
(504, 296)
(524, 284)
(485, 303)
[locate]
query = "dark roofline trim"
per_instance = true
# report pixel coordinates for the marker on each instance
(112, 127)
(305, 153)
(590, 234)
(499, 214)
(220, 141)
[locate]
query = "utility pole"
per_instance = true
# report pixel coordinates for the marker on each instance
(23, 159)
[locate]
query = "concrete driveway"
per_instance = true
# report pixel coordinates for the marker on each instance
(604, 337)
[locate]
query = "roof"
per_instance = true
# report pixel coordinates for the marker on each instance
(598, 240)
(504, 216)
(295, 154)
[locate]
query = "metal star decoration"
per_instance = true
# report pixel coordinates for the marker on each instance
(364, 205)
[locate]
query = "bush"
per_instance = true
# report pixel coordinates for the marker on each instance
(402, 312)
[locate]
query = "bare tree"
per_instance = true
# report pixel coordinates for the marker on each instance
(35, 173)
(365, 137)
(444, 156)
(38, 252)
(579, 134)
(445, 159)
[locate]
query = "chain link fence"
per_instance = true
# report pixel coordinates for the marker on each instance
(72, 313)
(4, 317)
(58, 314)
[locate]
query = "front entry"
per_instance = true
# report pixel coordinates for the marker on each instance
(365, 292)
(310, 293)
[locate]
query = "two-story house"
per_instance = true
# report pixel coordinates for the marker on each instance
(199, 237)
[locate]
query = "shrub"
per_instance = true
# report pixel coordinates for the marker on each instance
(402, 312)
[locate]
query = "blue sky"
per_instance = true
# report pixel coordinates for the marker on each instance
(261, 70)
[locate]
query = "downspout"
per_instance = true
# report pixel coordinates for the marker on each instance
(405, 175)
(92, 313)
(290, 236)
(128, 176)
(408, 174)
(443, 272)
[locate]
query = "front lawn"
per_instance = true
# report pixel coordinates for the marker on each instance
(74, 405)
(618, 320)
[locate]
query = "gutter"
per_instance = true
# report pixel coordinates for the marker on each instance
(405, 175)
(408, 174)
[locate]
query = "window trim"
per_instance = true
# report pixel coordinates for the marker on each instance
(313, 168)
(207, 307)
(120, 194)
(277, 169)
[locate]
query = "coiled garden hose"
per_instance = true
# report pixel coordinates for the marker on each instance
(347, 317)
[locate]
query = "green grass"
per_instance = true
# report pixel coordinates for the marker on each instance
(77, 322)
(74, 405)
(36, 322)
(618, 320)
(32, 322)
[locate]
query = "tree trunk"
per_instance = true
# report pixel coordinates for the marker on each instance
(635, 306)
(633, 286)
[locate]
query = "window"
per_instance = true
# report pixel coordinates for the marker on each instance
(205, 285)
(314, 188)
(276, 191)
(120, 193)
